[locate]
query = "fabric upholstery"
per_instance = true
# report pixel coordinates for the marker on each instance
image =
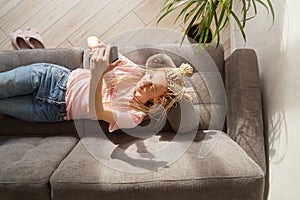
(225, 172)
(26, 164)
(217, 54)
(244, 113)
(70, 58)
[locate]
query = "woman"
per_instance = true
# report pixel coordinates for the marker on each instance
(121, 93)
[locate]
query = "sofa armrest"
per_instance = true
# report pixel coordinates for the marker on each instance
(244, 109)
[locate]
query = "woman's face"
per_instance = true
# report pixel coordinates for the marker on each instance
(153, 85)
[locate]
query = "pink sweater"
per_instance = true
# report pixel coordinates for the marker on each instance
(77, 96)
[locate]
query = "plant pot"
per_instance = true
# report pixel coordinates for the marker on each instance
(192, 34)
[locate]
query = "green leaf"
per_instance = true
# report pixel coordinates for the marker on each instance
(189, 27)
(191, 13)
(206, 16)
(196, 16)
(267, 8)
(183, 11)
(239, 24)
(227, 18)
(254, 7)
(180, 3)
(249, 5)
(244, 13)
(262, 3)
(167, 6)
(165, 14)
(165, 3)
(218, 22)
(272, 11)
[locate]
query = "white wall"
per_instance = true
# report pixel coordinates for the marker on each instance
(278, 50)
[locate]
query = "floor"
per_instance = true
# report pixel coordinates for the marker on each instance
(68, 23)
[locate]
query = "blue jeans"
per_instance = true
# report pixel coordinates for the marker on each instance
(34, 93)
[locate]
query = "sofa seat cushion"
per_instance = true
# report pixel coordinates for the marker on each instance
(222, 172)
(26, 164)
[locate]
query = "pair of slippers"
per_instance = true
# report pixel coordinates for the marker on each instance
(29, 39)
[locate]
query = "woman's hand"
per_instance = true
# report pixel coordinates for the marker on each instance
(99, 64)
(100, 61)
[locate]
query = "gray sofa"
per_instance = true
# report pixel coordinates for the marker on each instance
(54, 161)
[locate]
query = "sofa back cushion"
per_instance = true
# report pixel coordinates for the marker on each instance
(9, 59)
(208, 110)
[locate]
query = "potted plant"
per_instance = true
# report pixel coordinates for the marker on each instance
(202, 14)
(194, 36)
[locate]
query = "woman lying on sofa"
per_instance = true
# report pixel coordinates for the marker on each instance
(121, 93)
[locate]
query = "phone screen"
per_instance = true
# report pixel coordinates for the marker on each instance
(113, 54)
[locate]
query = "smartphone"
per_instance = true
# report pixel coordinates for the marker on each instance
(113, 54)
